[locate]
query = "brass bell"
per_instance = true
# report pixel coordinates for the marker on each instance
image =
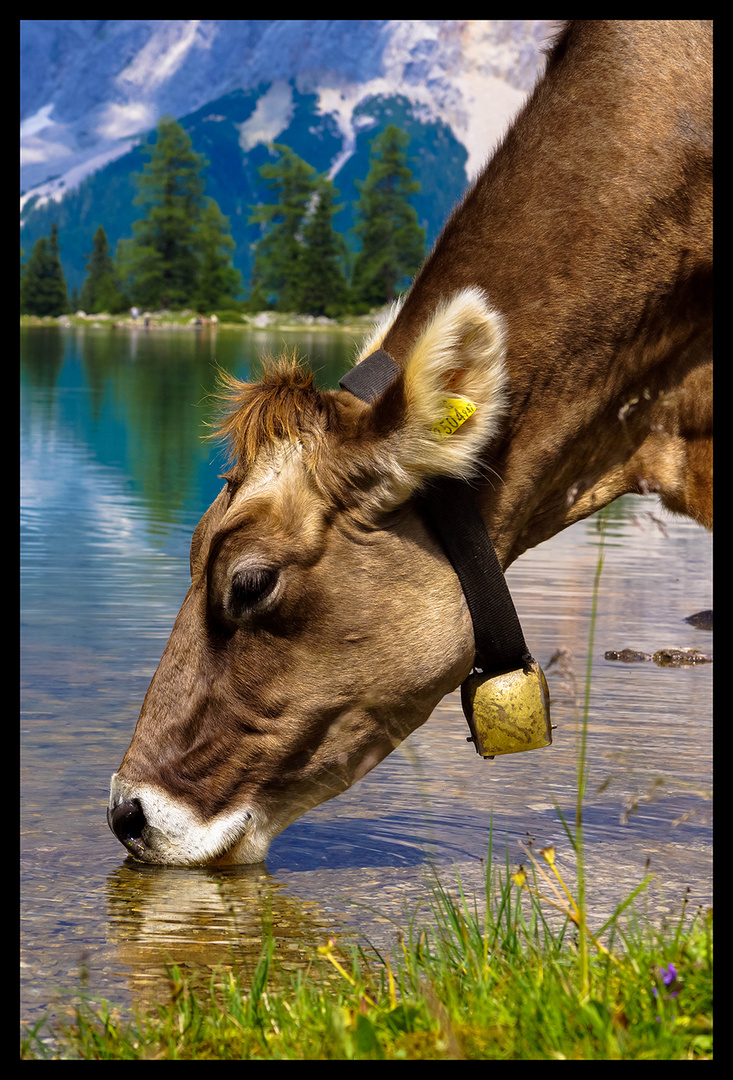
(507, 711)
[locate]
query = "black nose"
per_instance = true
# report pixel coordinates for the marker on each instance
(127, 822)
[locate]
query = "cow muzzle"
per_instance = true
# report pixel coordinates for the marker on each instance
(156, 827)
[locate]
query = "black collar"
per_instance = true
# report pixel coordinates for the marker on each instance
(450, 508)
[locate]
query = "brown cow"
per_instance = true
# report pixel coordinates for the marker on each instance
(568, 297)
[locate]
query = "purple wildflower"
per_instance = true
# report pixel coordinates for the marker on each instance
(669, 978)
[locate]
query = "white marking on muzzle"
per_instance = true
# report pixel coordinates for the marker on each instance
(175, 835)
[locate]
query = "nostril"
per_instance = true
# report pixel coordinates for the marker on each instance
(127, 822)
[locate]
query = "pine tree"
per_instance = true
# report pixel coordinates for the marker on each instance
(218, 282)
(392, 241)
(276, 271)
(22, 282)
(100, 290)
(323, 286)
(162, 260)
(44, 285)
(58, 276)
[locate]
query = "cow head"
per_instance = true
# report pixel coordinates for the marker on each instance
(323, 623)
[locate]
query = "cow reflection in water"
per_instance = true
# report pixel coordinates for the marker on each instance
(569, 298)
(204, 924)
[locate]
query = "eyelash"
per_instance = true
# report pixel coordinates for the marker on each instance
(249, 587)
(230, 482)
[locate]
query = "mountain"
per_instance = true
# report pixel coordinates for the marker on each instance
(92, 89)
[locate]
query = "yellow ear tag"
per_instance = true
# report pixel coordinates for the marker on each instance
(456, 410)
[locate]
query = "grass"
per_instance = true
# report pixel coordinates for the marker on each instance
(515, 974)
(487, 981)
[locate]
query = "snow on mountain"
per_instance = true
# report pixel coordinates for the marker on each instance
(91, 88)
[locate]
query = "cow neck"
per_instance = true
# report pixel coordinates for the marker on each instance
(452, 513)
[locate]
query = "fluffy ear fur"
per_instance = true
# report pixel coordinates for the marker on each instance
(460, 353)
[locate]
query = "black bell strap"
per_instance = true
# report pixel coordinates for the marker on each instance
(450, 508)
(371, 377)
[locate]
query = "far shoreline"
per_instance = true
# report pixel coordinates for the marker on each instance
(188, 319)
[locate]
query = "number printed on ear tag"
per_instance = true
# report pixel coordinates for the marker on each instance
(456, 411)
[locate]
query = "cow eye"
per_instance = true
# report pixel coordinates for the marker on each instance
(249, 587)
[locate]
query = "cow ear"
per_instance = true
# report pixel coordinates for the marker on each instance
(454, 392)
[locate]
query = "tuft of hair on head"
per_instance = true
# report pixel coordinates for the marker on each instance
(284, 404)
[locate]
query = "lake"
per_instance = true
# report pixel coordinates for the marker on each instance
(115, 474)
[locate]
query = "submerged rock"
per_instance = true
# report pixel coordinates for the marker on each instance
(680, 657)
(629, 656)
(673, 657)
(703, 620)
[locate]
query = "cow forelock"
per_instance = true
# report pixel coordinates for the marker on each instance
(284, 418)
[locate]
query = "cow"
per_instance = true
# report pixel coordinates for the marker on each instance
(569, 299)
